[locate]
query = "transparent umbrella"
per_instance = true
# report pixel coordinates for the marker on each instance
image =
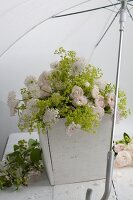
(63, 23)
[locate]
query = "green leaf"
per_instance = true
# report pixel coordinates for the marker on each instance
(32, 142)
(16, 147)
(127, 138)
(35, 155)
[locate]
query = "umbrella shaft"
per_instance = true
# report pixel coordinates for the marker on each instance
(122, 23)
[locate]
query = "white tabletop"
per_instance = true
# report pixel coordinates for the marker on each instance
(40, 189)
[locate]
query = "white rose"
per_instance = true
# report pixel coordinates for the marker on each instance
(95, 91)
(123, 159)
(99, 101)
(119, 147)
(111, 100)
(80, 101)
(76, 92)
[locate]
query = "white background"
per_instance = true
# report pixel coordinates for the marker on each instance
(34, 52)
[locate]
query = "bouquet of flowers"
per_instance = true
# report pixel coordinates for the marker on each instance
(124, 151)
(73, 90)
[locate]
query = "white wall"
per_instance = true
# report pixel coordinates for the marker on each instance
(34, 53)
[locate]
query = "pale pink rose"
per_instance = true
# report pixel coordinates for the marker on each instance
(119, 147)
(95, 92)
(80, 101)
(123, 159)
(111, 100)
(99, 101)
(101, 84)
(76, 92)
(72, 128)
(99, 111)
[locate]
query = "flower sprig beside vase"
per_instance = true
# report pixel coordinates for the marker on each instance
(72, 89)
(124, 151)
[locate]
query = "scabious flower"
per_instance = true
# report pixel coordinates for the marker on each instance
(34, 91)
(32, 106)
(76, 92)
(54, 65)
(44, 85)
(30, 80)
(78, 67)
(12, 103)
(72, 128)
(24, 119)
(101, 84)
(95, 91)
(51, 116)
(123, 159)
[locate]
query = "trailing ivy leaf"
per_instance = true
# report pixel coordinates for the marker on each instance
(15, 147)
(35, 155)
(126, 138)
(32, 142)
(14, 170)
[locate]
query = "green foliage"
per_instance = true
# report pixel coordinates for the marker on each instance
(85, 117)
(25, 158)
(126, 139)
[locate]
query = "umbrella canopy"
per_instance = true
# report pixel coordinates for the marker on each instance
(29, 36)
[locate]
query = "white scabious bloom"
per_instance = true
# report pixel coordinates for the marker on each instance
(72, 128)
(24, 119)
(95, 91)
(101, 84)
(80, 101)
(51, 116)
(78, 67)
(30, 80)
(12, 102)
(32, 105)
(53, 65)
(44, 85)
(25, 95)
(99, 111)
(76, 92)
(34, 91)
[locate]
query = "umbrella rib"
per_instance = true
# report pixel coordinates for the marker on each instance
(35, 26)
(113, 4)
(101, 38)
(107, 28)
(129, 13)
(84, 11)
